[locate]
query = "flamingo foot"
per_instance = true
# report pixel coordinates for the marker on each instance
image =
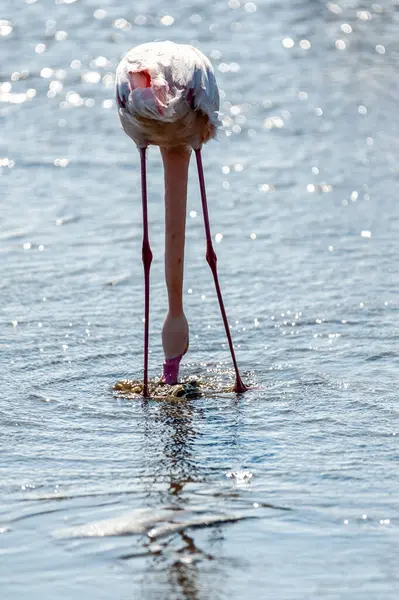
(171, 370)
(239, 386)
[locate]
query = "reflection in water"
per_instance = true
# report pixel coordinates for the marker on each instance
(183, 573)
(169, 438)
(170, 435)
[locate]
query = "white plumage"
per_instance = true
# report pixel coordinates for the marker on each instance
(162, 88)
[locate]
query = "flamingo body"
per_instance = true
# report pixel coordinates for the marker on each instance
(167, 95)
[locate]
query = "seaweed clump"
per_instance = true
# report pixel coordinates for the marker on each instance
(133, 388)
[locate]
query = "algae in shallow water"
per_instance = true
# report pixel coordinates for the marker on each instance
(156, 389)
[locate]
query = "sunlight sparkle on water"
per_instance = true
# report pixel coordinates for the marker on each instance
(346, 28)
(250, 7)
(273, 122)
(305, 44)
(334, 8)
(91, 77)
(340, 45)
(61, 36)
(5, 28)
(364, 15)
(288, 43)
(6, 162)
(61, 162)
(167, 20)
(40, 48)
(101, 62)
(100, 13)
(122, 24)
(46, 72)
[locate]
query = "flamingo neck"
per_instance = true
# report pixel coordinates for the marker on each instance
(176, 163)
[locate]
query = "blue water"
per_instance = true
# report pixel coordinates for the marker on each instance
(289, 491)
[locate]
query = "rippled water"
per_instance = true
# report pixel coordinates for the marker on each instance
(289, 491)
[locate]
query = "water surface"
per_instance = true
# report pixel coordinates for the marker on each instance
(289, 491)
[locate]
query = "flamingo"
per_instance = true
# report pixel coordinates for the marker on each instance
(167, 96)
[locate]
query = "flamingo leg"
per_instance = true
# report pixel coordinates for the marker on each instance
(147, 259)
(211, 258)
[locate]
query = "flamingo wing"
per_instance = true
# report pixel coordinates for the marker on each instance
(194, 73)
